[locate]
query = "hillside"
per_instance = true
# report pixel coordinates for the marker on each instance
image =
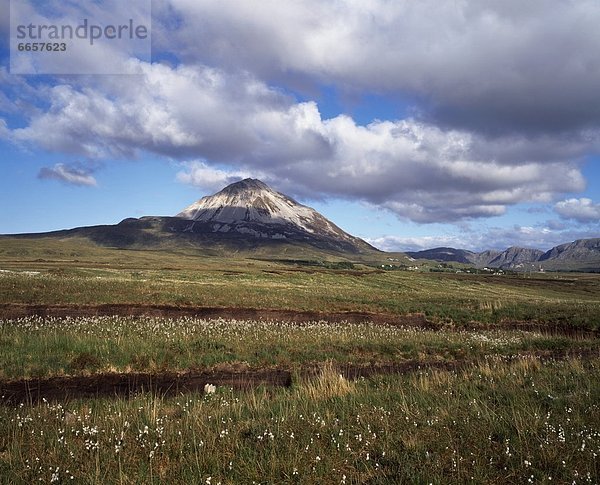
(581, 255)
(246, 217)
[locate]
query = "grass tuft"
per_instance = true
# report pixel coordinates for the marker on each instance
(327, 384)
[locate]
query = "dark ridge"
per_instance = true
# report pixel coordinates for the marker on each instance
(62, 388)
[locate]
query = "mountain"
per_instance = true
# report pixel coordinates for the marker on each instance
(250, 218)
(444, 255)
(515, 257)
(581, 255)
(580, 250)
(251, 208)
(479, 260)
(483, 259)
(244, 216)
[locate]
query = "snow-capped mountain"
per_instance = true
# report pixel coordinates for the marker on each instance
(245, 217)
(252, 208)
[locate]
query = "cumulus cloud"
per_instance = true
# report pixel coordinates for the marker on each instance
(73, 174)
(490, 66)
(542, 237)
(503, 95)
(419, 171)
(401, 243)
(201, 175)
(582, 210)
(172, 111)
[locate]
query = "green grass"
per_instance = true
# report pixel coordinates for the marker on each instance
(451, 298)
(497, 422)
(35, 347)
(77, 272)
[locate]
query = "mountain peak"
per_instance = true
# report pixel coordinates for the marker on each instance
(248, 200)
(252, 208)
(246, 184)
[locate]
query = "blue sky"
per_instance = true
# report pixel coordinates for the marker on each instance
(410, 124)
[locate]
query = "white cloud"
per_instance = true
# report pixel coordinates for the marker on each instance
(489, 65)
(416, 243)
(415, 169)
(582, 210)
(542, 237)
(201, 175)
(69, 174)
(180, 111)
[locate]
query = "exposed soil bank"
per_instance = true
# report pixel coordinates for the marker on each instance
(12, 311)
(110, 385)
(171, 383)
(418, 320)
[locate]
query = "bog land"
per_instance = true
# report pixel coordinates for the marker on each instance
(326, 370)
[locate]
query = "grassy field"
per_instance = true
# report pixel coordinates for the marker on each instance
(98, 276)
(496, 422)
(36, 347)
(483, 400)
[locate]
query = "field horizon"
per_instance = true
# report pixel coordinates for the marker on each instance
(118, 355)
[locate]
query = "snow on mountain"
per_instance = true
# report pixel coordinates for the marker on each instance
(252, 201)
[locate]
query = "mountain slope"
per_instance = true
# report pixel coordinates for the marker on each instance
(252, 209)
(515, 257)
(483, 259)
(252, 201)
(581, 255)
(444, 254)
(464, 256)
(246, 216)
(580, 250)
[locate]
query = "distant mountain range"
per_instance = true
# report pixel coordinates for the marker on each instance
(250, 217)
(581, 255)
